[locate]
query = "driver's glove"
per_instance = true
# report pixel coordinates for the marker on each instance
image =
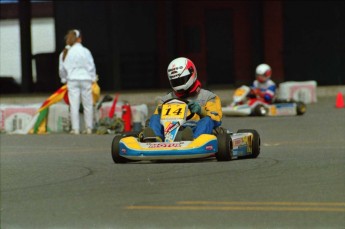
(195, 107)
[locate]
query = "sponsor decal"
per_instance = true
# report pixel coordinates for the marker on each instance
(170, 127)
(248, 141)
(174, 68)
(273, 110)
(237, 142)
(241, 151)
(243, 142)
(286, 111)
(209, 147)
(164, 145)
(124, 151)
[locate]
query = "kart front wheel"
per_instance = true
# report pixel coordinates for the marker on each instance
(256, 142)
(301, 108)
(115, 150)
(224, 147)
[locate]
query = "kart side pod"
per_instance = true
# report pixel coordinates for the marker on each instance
(243, 144)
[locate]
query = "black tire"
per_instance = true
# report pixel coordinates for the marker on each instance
(260, 110)
(115, 150)
(256, 142)
(219, 130)
(301, 108)
(224, 147)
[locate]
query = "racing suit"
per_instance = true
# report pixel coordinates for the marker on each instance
(267, 89)
(210, 118)
(79, 71)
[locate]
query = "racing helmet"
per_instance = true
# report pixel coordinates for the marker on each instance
(263, 72)
(182, 74)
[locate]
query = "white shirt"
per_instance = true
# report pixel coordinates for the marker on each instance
(78, 64)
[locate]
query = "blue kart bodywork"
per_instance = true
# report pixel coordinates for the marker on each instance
(203, 146)
(224, 146)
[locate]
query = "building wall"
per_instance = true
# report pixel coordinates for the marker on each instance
(190, 19)
(137, 40)
(121, 37)
(314, 41)
(43, 41)
(134, 41)
(273, 33)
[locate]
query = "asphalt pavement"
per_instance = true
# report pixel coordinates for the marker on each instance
(66, 181)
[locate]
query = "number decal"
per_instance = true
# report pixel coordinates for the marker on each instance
(167, 111)
(178, 111)
(173, 111)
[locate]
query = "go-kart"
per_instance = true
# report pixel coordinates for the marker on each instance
(222, 144)
(247, 103)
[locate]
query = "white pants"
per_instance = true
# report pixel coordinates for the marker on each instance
(80, 89)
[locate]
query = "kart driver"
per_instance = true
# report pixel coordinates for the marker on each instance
(263, 87)
(205, 105)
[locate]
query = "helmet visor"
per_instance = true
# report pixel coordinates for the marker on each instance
(180, 81)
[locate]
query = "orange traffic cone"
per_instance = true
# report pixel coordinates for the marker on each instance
(339, 103)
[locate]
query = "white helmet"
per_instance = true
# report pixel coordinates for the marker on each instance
(263, 72)
(182, 74)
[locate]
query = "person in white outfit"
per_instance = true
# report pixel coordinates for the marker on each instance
(77, 69)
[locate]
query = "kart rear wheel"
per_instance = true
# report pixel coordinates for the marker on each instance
(224, 147)
(256, 142)
(219, 130)
(260, 110)
(300, 108)
(115, 150)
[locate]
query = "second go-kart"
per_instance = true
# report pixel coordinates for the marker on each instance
(222, 144)
(245, 105)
